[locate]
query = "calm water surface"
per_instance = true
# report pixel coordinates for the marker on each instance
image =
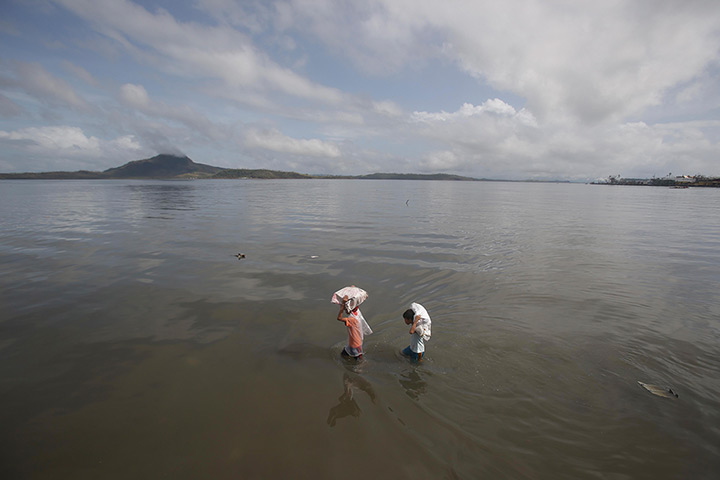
(133, 344)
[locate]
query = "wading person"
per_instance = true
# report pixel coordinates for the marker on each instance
(349, 299)
(420, 331)
(351, 319)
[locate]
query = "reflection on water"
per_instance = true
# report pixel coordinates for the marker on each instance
(162, 195)
(347, 405)
(413, 384)
(134, 344)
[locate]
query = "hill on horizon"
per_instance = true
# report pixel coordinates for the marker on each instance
(168, 167)
(162, 166)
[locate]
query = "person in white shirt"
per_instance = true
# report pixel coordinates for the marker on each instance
(420, 330)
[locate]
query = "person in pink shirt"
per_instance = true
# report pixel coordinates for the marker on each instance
(352, 320)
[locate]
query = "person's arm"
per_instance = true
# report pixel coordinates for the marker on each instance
(414, 325)
(342, 307)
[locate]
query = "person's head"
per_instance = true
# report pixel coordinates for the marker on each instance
(408, 316)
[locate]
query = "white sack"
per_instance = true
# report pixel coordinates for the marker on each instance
(425, 323)
(355, 297)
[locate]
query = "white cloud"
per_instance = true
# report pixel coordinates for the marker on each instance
(442, 161)
(491, 108)
(195, 50)
(62, 139)
(591, 61)
(633, 149)
(586, 61)
(489, 131)
(80, 73)
(377, 37)
(253, 16)
(271, 139)
(35, 80)
(137, 97)
(125, 143)
(67, 142)
(387, 108)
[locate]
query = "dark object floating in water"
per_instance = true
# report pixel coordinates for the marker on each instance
(664, 392)
(407, 201)
(240, 256)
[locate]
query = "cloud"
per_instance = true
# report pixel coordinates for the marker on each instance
(496, 141)
(63, 139)
(68, 143)
(495, 108)
(80, 73)
(386, 108)
(35, 80)
(590, 61)
(379, 38)
(195, 50)
(271, 139)
(442, 161)
(136, 96)
(572, 61)
(492, 129)
(8, 108)
(252, 16)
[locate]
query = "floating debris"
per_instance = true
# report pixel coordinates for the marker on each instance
(664, 392)
(240, 256)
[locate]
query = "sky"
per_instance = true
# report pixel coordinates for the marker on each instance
(515, 89)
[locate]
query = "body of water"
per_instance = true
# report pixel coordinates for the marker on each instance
(134, 344)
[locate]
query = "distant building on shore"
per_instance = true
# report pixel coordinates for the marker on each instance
(668, 181)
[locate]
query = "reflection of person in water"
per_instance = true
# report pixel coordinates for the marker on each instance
(413, 384)
(348, 406)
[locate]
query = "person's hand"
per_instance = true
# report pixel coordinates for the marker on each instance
(344, 302)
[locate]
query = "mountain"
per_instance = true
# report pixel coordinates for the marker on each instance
(158, 167)
(162, 166)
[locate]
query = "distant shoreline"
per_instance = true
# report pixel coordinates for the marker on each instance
(173, 167)
(374, 176)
